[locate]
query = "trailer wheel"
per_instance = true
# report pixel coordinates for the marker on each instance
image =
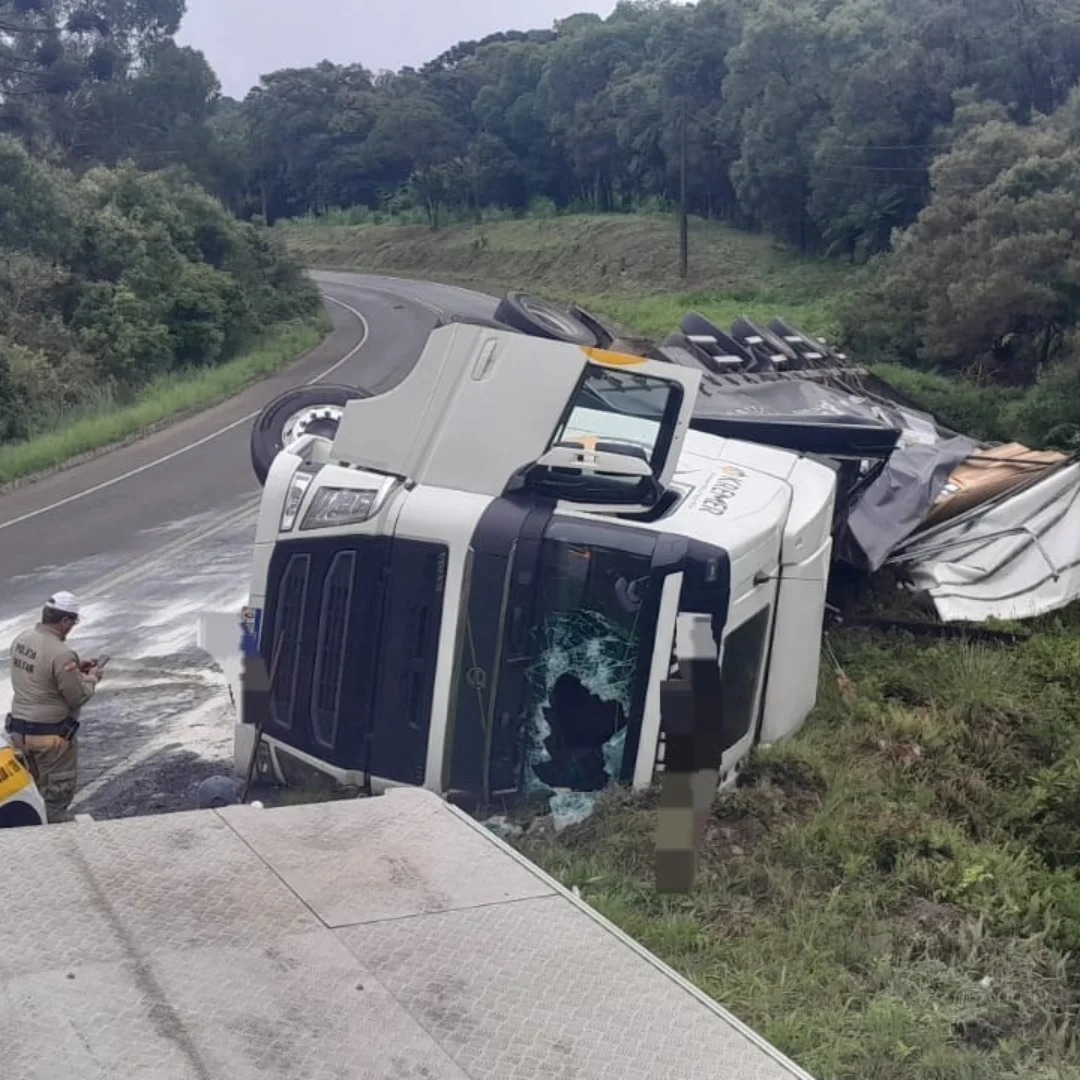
(542, 318)
(305, 410)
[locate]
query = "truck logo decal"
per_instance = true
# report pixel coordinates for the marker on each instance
(724, 488)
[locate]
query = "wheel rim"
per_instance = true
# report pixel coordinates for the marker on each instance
(320, 420)
(551, 317)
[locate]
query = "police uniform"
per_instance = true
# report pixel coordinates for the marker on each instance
(49, 688)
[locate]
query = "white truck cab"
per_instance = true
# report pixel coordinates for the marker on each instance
(488, 579)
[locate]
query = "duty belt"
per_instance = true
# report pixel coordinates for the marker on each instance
(65, 729)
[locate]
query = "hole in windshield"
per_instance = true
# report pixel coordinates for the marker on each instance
(589, 649)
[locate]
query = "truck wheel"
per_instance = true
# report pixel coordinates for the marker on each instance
(604, 337)
(306, 410)
(541, 318)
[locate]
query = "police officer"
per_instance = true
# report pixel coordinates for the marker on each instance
(49, 688)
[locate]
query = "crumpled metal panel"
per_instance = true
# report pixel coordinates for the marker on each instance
(190, 947)
(1017, 557)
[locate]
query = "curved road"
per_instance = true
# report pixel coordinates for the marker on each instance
(151, 534)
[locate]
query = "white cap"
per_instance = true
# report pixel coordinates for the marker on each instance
(65, 602)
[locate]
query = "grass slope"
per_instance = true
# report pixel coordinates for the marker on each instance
(625, 267)
(167, 399)
(896, 892)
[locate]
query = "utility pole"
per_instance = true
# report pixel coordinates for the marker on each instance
(684, 223)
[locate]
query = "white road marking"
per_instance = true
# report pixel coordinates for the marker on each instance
(409, 297)
(198, 442)
(146, 565)
(471, 294)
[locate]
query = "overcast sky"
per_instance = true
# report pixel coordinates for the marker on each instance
(244, 39)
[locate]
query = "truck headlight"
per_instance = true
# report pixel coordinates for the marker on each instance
(298, 487)
(340, 506)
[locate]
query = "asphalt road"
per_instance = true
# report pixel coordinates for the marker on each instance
(151, 534)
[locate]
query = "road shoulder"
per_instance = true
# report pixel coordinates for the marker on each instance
(173, 437)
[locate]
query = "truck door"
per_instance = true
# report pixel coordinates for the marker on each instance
(656, 399)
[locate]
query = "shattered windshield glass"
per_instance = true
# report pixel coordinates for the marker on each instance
(590, 643)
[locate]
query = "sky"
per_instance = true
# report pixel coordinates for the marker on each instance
(243, 39)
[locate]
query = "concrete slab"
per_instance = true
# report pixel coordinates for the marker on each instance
(532, 990)
(104, 889)
(382, 939)
(351, 867)
(89, 1021)
(301, 1008)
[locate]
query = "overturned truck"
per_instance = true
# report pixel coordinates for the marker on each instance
(506, 577)
(495, 579)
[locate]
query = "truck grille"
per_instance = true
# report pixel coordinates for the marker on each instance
(359, 619)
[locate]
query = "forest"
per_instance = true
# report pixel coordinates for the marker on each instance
(118, 270)
(932, 142)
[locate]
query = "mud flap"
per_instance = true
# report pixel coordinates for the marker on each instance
(233, 645)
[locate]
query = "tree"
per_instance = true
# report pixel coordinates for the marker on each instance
(56, 56)
(300, 122)
(987, 280)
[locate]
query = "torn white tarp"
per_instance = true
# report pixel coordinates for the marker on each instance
(1014, 558)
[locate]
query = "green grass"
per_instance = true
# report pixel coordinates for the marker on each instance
(659, 315)
(895, 893)
(166, 399)
(623, 266)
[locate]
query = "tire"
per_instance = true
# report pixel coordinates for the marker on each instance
(313, 410)
(543, 319)
(604, 338)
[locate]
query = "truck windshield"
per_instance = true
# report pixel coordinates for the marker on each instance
(579, 665)
(555, 655)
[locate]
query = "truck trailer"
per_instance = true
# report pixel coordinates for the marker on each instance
(494, 579)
